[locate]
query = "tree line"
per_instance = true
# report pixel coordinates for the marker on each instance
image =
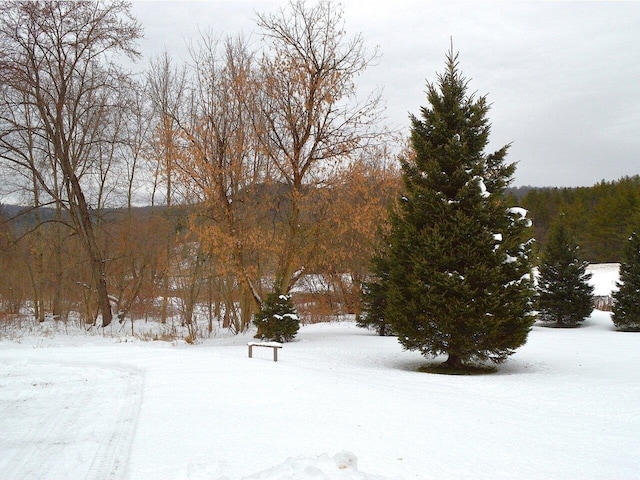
(600, 218)
(262, 163)
(268, 161)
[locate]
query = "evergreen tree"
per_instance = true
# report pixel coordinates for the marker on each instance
(374, 300)
(565, 296)
(277, 320)
(626, 305)
(456, 277)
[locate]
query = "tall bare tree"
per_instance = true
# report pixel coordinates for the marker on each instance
(167, 87)
(313, 119)
(57, 61)
(222, 163)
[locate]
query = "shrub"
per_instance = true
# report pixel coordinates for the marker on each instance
(277, 320)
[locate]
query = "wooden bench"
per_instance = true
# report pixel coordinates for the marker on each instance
(274, 345)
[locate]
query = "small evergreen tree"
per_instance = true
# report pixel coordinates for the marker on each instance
(564, 293)
(374, 302)
(277, 320)
(456, 277)
(626, 305)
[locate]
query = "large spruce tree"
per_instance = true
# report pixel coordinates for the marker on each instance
(456, 277)
(565, 295)
(626, 305)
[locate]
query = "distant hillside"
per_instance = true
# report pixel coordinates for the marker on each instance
(600, 217)
(520, 192)
(19, 218)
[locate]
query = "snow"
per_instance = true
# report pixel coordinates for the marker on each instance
(343, 465)
(341, 404)
(604, 277)
(265, 344)
(497, 237)
(483, 189)
(522, 212)
(291, 316)
(510, 259)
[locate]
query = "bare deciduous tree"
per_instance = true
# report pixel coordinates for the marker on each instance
(222, 162)
(312, 119)
(167, 84)
(57, 64)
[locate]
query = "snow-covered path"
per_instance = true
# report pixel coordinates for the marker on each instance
(566, 405)
(66, 419)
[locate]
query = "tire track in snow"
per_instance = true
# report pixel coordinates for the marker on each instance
(67, 420)
(30, 427)
(112, 458)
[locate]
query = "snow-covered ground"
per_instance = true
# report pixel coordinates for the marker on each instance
(339, 402)
(604, 277)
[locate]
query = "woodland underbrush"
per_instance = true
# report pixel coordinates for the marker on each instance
(18, 327)
(148, 327)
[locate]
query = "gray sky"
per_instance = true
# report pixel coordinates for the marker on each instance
(563, 77)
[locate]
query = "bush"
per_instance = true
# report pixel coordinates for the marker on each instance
(277, 320)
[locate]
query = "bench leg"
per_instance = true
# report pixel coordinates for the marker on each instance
(275, 354)
(250, 351)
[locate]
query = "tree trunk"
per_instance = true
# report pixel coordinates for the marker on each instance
(57, 275)
(454, 361)
(38, 280)
(286, 269)
(248, 307)
(82, 220)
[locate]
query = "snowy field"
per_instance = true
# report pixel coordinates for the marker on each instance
(565, 406)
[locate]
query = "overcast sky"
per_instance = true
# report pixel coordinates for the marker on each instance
(563, 78)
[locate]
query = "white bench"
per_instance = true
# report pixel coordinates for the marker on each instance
(274, 345)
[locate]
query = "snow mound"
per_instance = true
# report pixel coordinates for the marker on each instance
(343, 466)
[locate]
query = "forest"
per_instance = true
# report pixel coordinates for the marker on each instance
(150, 247)
(257, 163)
(186, 195)
(600, 217)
